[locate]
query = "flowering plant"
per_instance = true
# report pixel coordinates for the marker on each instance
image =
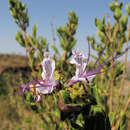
(78, 107)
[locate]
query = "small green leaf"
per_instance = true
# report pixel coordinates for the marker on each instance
(117, 13)
(55, 49)
(127, 8)
(124, 20)
(20, 39)
(112, 5)
(34, 31)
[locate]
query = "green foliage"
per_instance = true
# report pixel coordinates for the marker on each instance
(65, 96)
(114, 5)
(66, 34)
(20, 39)
(35, 46)
(117, 13)
(124, 20)
(20, 13)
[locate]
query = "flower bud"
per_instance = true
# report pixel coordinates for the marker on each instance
(117, 13)
(23, 5)
(113, 5)
(124, 20)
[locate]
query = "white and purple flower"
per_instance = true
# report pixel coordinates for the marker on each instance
(81, 63)
(47, 83)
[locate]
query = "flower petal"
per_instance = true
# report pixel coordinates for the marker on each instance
(24, 87)
(90, 78)
(48, 66)
(73, 61)
(44, 90)
(75, 80)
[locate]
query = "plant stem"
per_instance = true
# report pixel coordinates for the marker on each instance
(111, 89)
(28, 49)
(124, 111)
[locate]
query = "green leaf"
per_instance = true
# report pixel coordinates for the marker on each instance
(34, 31)
(124, 20)
(101, 35)
(72, 44)
(65, 95)
(20, 39)
(55, 49)
(127, 8)
(111, 117)
(121, 5)
(57, 113)
(112, 5)
(80, 120)
(20, 13)
(117, 13)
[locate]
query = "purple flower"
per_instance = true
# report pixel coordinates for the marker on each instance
(48, 66)
(81, 63)
(47, 83)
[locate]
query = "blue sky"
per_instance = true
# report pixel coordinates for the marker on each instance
(41, 12)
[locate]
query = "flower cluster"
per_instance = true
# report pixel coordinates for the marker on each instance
(46, 84)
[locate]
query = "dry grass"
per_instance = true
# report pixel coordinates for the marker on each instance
(12, 60)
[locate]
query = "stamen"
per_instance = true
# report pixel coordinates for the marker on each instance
(88, 54)
(101, 65)
(99, 56)
(107, 69)
(116, 57)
